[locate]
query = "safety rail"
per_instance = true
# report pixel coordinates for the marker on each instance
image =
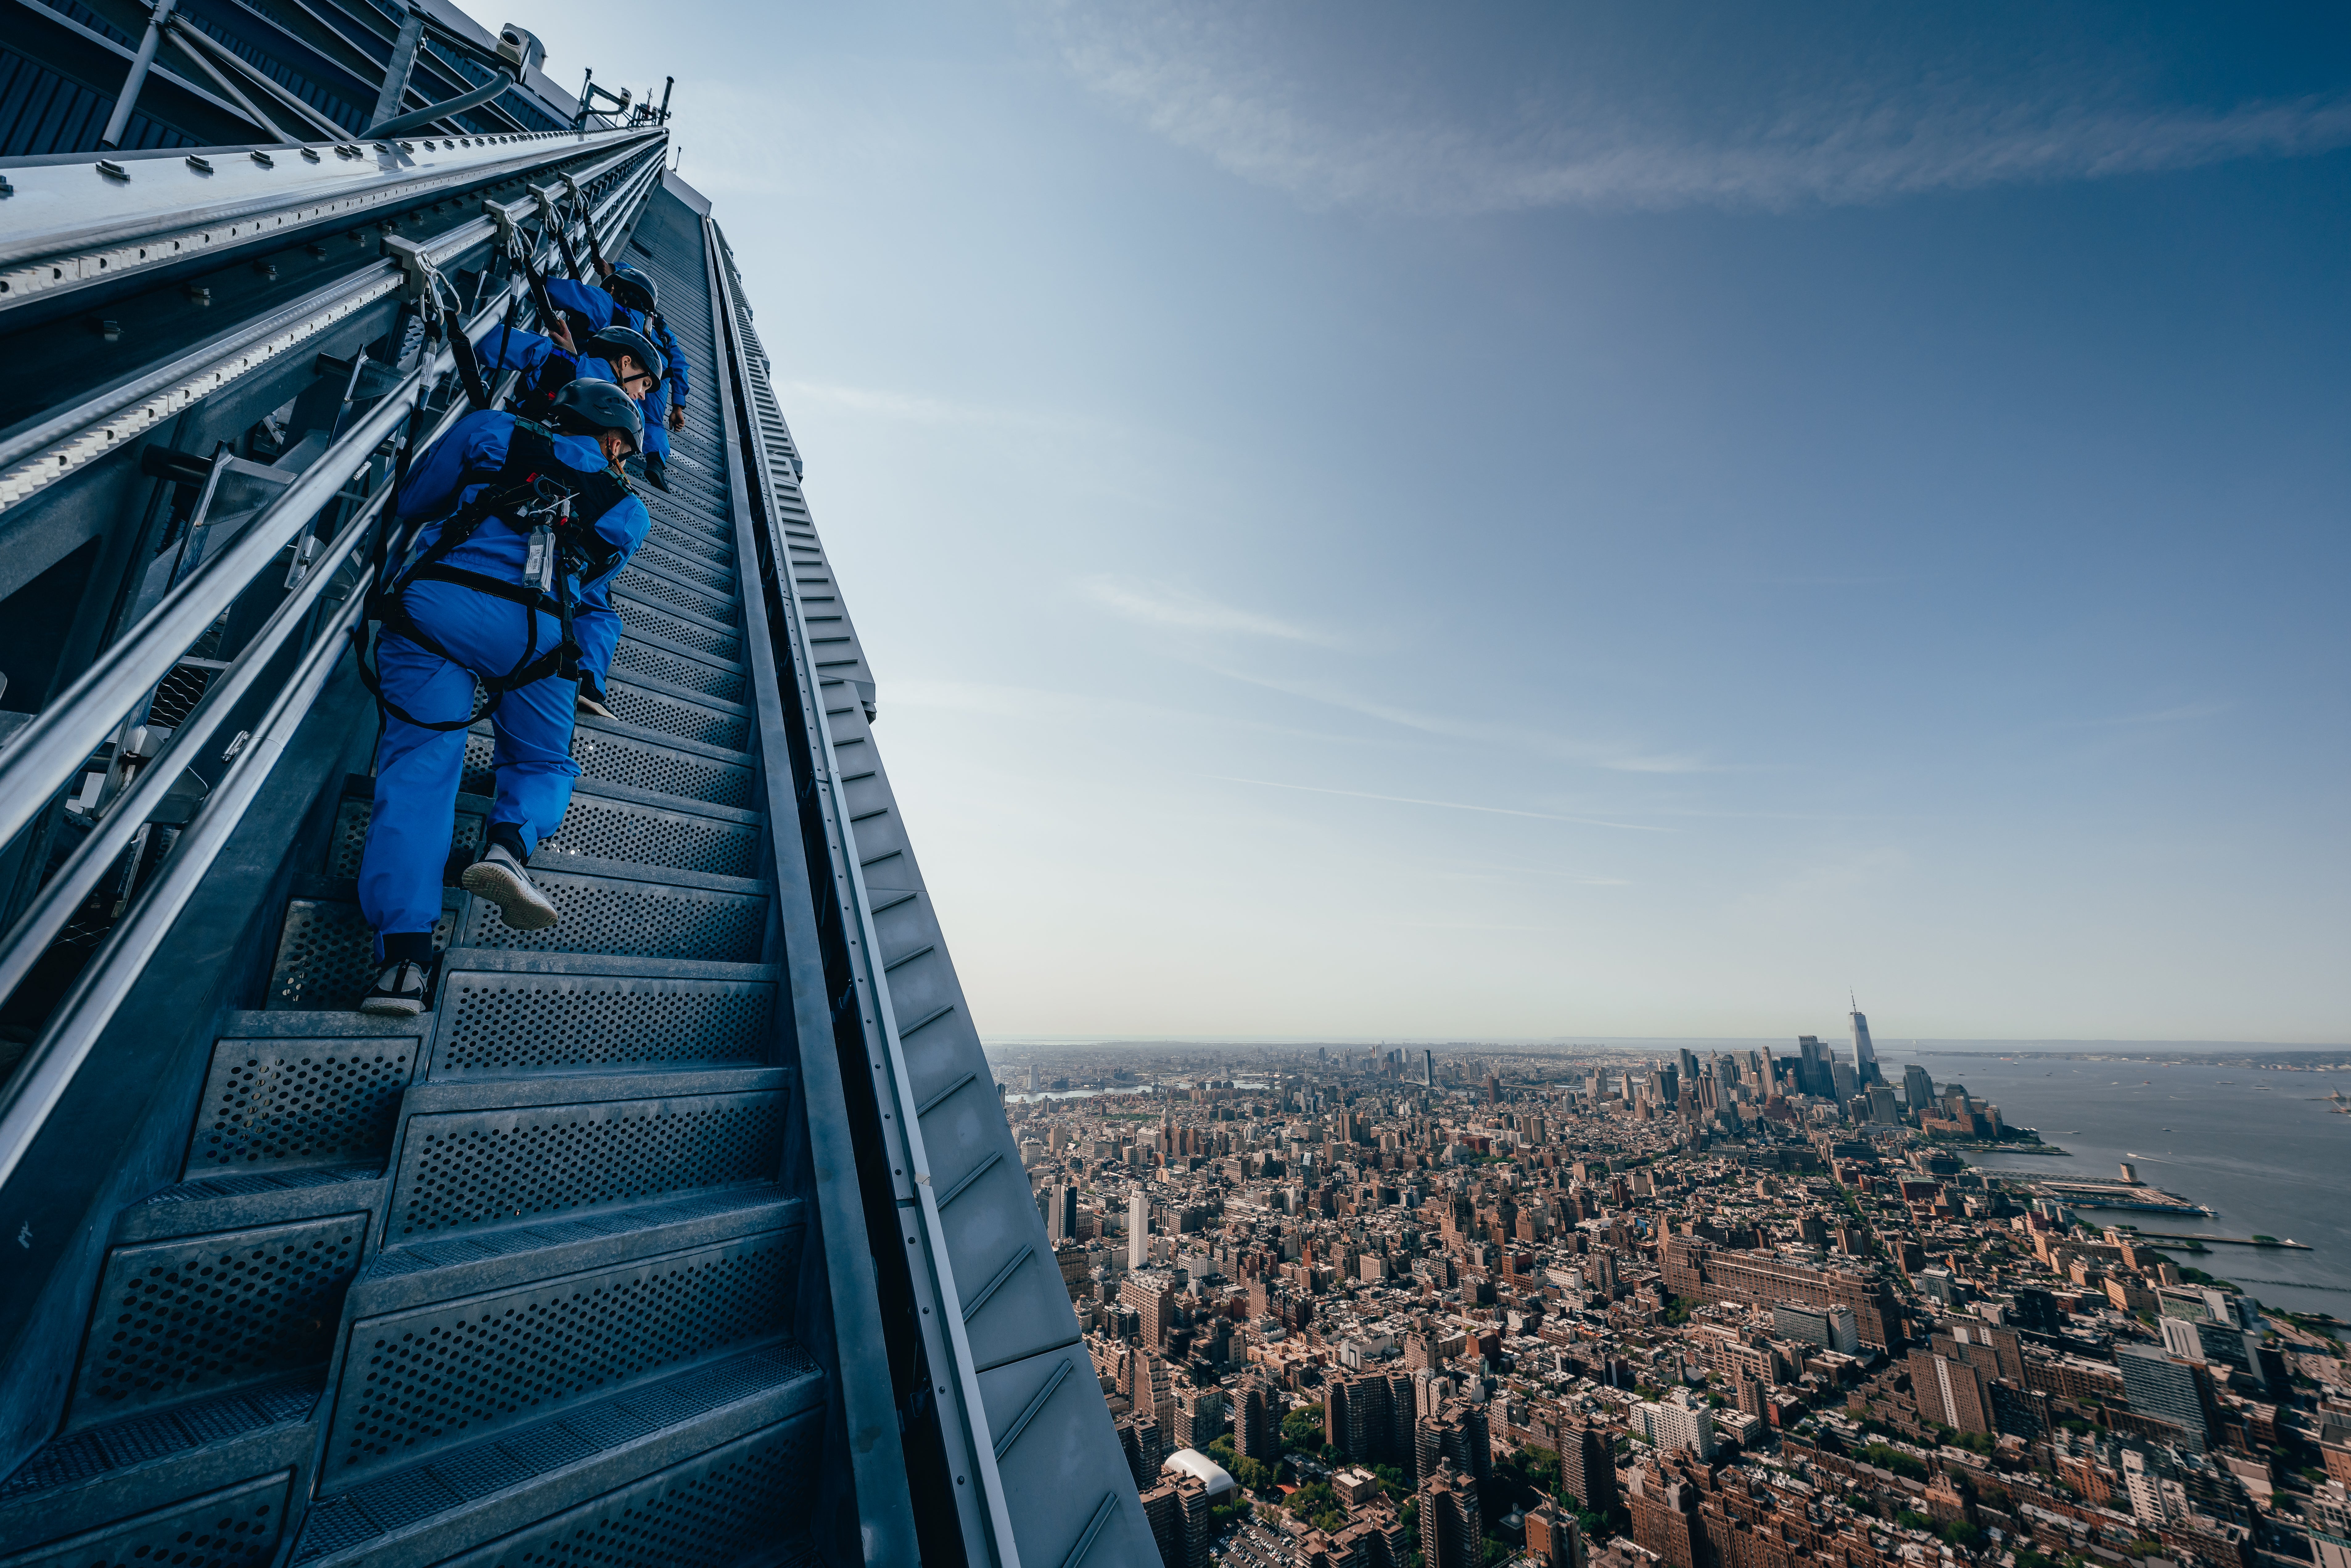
(44, 453)
(75, 222)
(59, 742)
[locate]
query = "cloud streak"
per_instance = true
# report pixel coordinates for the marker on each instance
(1154, 605)
(1442, 805)
(1546, 742)
(1199, 85)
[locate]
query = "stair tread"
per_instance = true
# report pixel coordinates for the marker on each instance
(159, 1437)
(605, 1434)
(447, 1268)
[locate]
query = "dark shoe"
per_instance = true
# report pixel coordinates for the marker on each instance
(656, 471)
(499, 877)
(399, 991)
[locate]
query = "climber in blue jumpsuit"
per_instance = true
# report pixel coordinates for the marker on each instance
(635, 293)
(617, 354)
(629, 298)
(473, 611)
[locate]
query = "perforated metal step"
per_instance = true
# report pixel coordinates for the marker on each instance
(470, 1159)
(105, 1487)
(504, 1013)
(236, 1527)
(657, 764)
(610, 907)
(582, 1453)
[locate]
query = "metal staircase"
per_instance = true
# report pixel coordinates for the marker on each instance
(687, 1230)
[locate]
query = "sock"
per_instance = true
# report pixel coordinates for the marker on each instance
(510, 837)
(407, 946)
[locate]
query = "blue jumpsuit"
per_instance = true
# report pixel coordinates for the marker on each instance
(602, 311)
(417, 771)
(594, 625)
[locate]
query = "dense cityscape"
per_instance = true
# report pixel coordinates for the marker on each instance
(1438, 1308)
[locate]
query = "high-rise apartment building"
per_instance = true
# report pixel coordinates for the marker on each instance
(1178, 1508)
(1457, 1432)
(1199, 1416)
(1553, 1538)
(1138, 1228)
(2168, 1388)
(1587, 1468)
(1256, 1422)
(1370, 1416)
(1451, 1532)
(1953, 1393)
(1152, 1296)
(1674, 1422)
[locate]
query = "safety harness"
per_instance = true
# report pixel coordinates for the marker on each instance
(533, 492)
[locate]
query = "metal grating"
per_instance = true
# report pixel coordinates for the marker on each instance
(715, 1510)
(637, 919)
(651, 663)
(235, 1528)
(464, 1170)
(643, 584)
(205, 1314)
(495, 1022)
(649, 835)
(644, 621)
(611, 758)
(275, 1104)
(349, 843)
(687, 568)
(325, 956)
(674, 715)
(686, 541)
(427, 1379)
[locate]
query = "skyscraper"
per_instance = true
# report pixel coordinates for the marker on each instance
(1428, 1068)
(1917, 1088)
(1865, 1055)
(1138, 1229)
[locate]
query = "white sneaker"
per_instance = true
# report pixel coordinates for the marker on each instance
(500, 878)
(399, 991)
(592, 705)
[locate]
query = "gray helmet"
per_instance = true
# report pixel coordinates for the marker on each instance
(590, 408)
(618, 339)
(633, 287)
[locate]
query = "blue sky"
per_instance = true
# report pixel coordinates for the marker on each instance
(1390, 522)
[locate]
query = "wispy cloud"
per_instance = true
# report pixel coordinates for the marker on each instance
(1615, 758)
(1442, 805)
(1202, 85)
(1158, 605)
(2188, 713)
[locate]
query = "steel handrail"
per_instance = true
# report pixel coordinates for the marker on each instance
(108, 420)
(39, 262)
(49, 1068)
(50, 749)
